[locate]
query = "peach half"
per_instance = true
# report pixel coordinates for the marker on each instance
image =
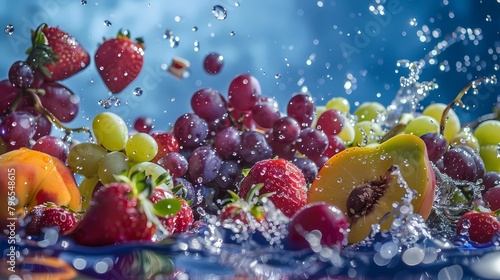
(361, 181)
(29, 178)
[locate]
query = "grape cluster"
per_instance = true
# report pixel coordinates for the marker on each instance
(28, 108)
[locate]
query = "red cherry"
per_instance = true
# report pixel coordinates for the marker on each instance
(480, 227)
(318, 220)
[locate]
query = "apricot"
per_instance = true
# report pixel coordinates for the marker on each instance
(364, 182)
(29, 178)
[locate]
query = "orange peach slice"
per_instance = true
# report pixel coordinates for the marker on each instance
(29, 178)
(361, 181)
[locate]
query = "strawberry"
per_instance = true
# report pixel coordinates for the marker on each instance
(55, 55)
(49, 215)
(243, 211)
(119, 61)
(182, 220)
(122, 212)
(480, 227)
(280, 177)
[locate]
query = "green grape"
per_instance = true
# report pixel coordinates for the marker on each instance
(421, 125)
(465, 137)
(452, 124)
(366, 132)
(110, 131)
(86, 190)
(114, 163)
(347, 133)
(339, 103)
(141, 147)
(84, 158)
(371, 111)
(151, 169)
(491, 157)
(488, 133)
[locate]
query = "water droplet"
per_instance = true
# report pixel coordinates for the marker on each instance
(84, 2)
(138, 91)
(232, 33)
(195, 28)
(413, 22)
(488, 18)
(168, 34)
(174, 41)
(219, 12)
(9, 29)
(277, 76)
(196, 45)
(107, 23)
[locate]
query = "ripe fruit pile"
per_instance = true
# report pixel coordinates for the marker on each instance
(231, 155)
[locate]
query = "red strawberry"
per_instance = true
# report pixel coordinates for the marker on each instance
(55, 55)
(50, 215)
(480, 227)
(121, 212)
(241, 212)
(166, 143)
(119, 61)
(179, 222)
(280, 177)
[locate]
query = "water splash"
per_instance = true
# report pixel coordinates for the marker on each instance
(219, 12)
(9, 29)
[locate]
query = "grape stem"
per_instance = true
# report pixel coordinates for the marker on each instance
(457, 100)
(37, 104)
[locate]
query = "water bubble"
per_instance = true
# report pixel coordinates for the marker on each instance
(138, 91)
(9, 29)
(107, 23)
(219, 12)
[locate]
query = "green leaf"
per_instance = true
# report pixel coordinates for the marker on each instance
(163, 178)
(167, 207)
(245, 172)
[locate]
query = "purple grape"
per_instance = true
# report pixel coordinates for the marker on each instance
(335, 146)
(208, 104)
(330, 122)
(213, 63)
(43, 125)
(490, 180)
(60, 101)
(308, 168)
(175, 163)
(227, 142)
(21, 75)
(301, 107)
(312, 142)
(266, 112)
(230, 174)
(282, 150)
(190, 130)
(53, 146)
(244, 92)
(459, 164)
(17, 129)
(143, 124)
(286, 130)
(8, 94)
(186, 190)
(480, 168)
(204, 165)
(254, 147)
(436, 145)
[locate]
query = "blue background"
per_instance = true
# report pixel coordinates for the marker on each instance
(270, 38)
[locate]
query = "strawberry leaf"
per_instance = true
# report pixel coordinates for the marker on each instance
(163, 178)
(167, 207)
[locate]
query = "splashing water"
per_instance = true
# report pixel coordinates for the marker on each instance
(9, 29)
(219, 12)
